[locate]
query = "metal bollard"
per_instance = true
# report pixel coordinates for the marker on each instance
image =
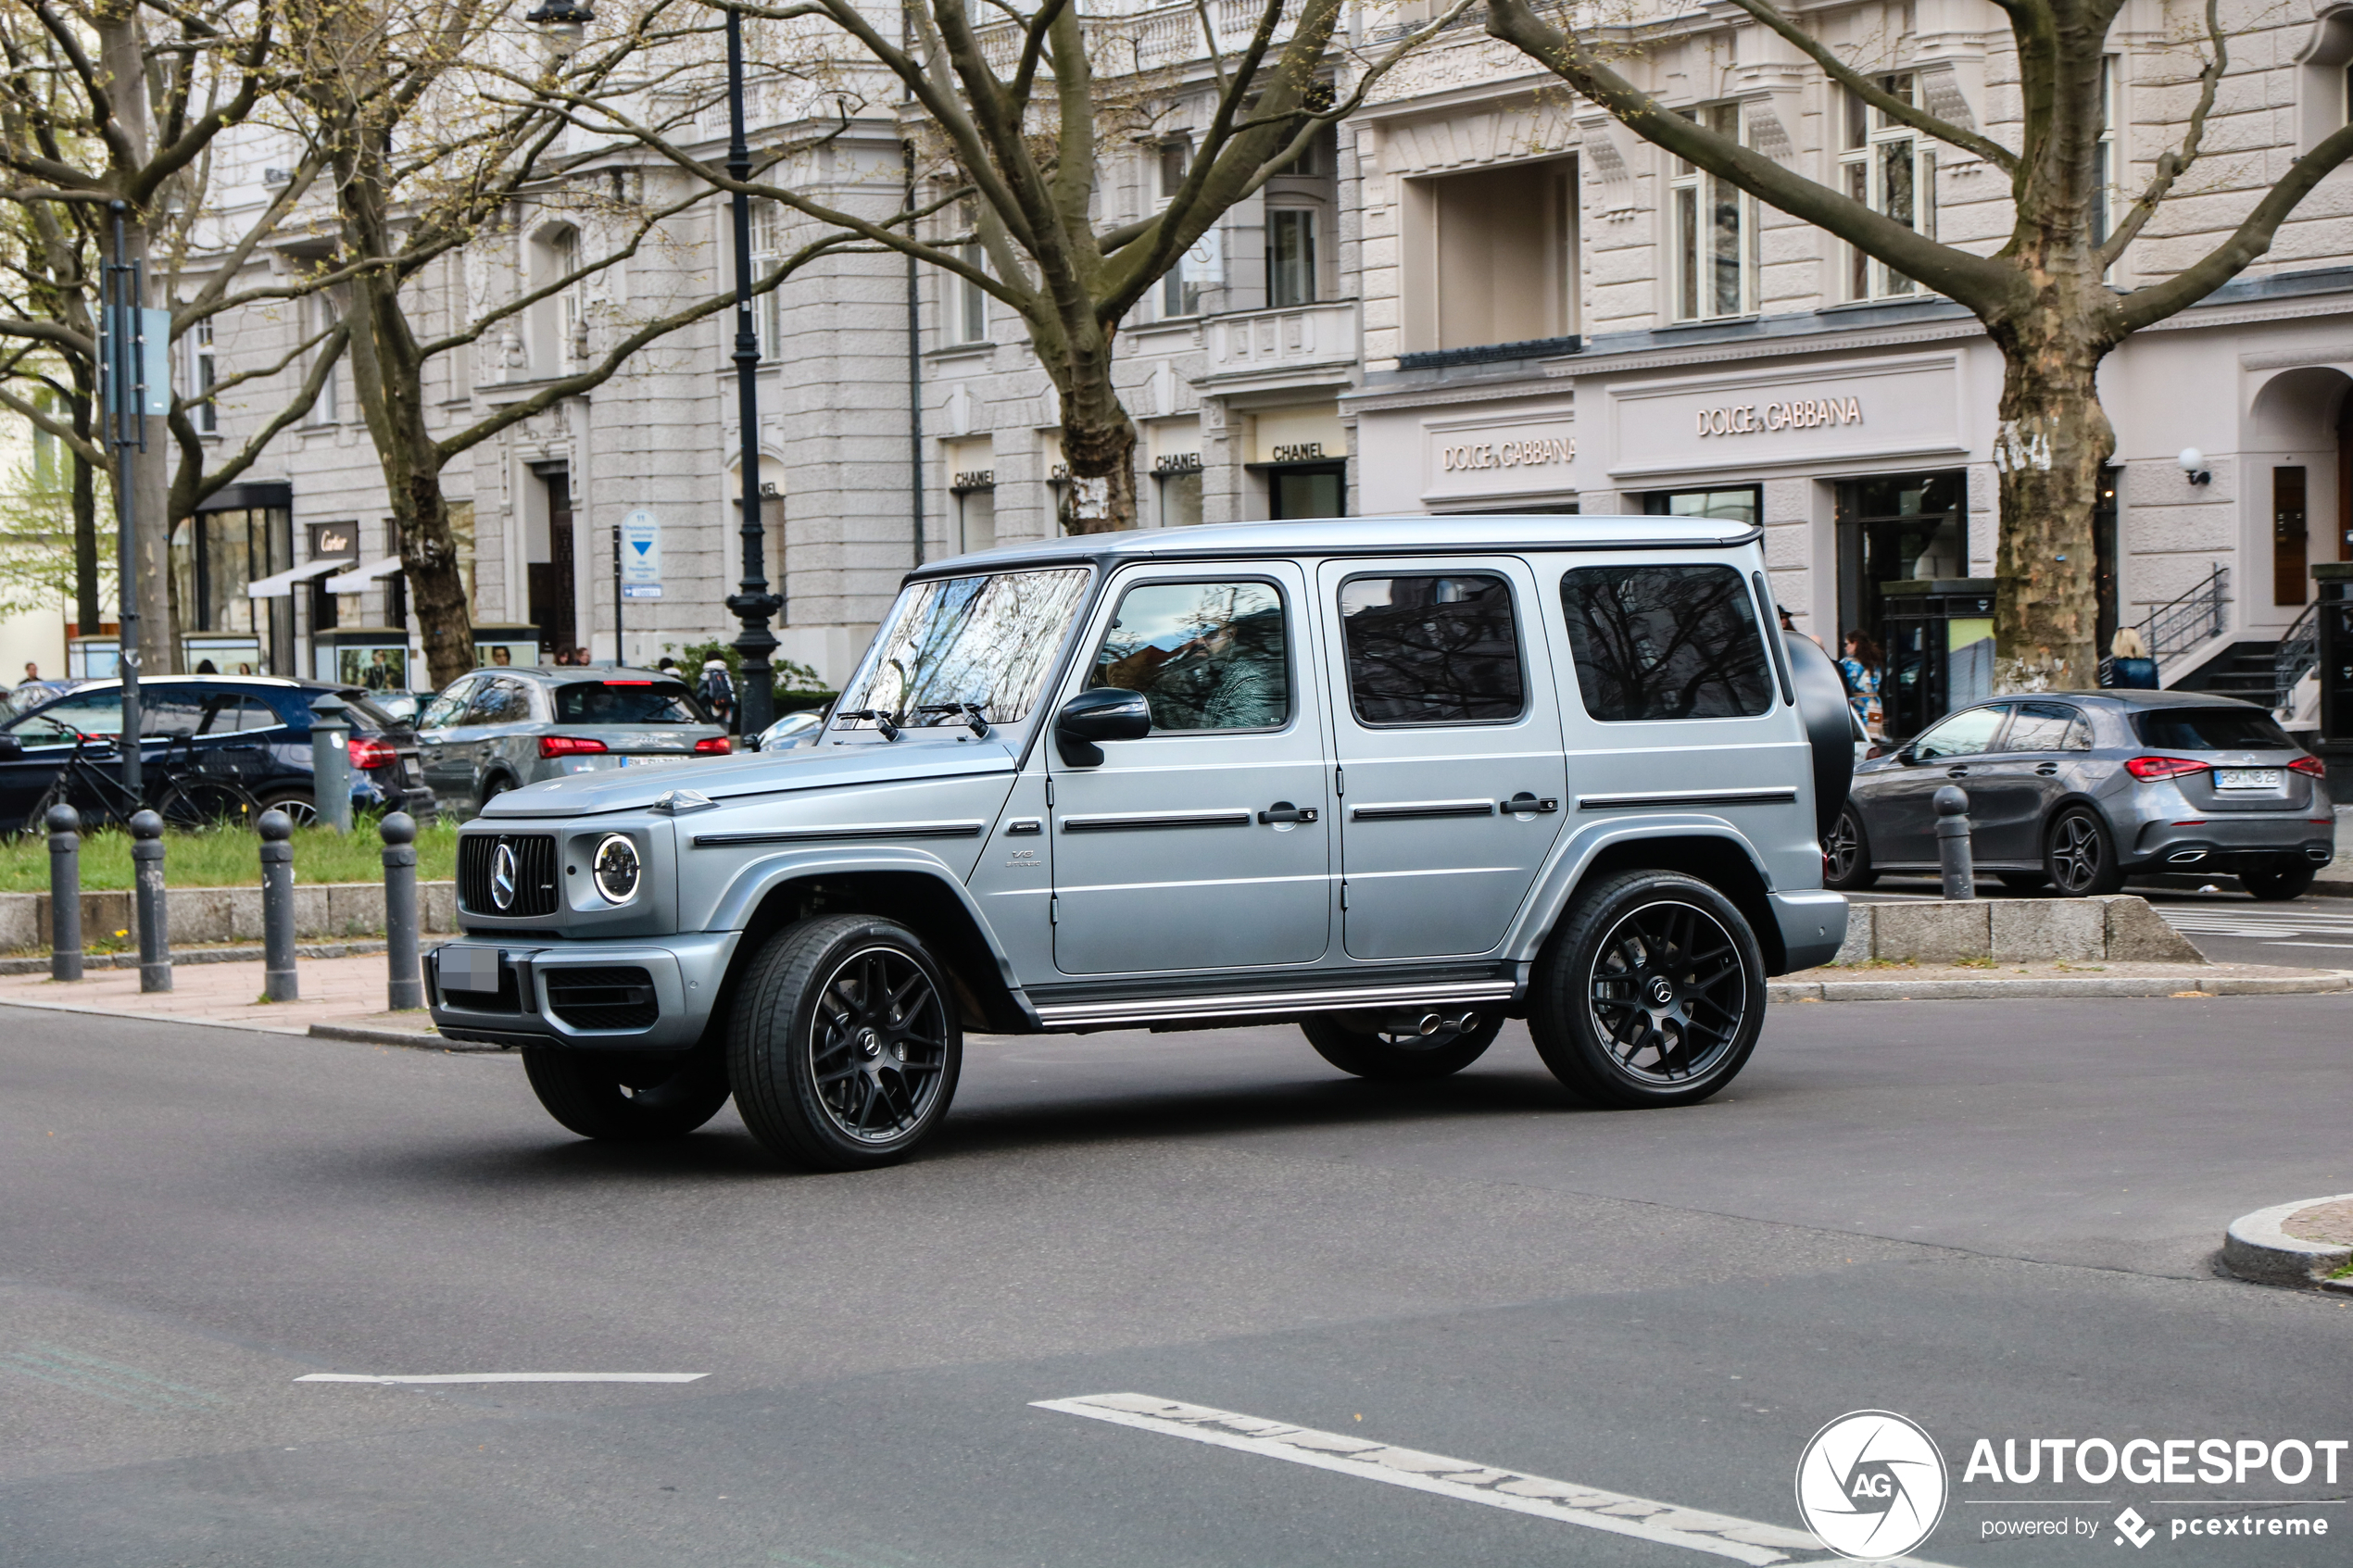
(331, 762)
(65, 893)
(1952, 843)
(155, 928)
(279, 982)
(406, 990)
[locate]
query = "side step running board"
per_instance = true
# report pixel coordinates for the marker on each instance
(1155, 1009)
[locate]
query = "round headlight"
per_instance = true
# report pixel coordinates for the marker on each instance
(617, 869)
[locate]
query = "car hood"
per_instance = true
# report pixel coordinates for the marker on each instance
(773, 773)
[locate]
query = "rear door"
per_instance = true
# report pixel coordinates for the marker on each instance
(2011, 793)
(1447, 744)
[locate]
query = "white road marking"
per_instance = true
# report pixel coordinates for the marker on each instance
(502, 1377)
(1718, 1535)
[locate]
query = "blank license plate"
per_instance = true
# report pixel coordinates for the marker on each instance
(410, 770)
(2247, 778)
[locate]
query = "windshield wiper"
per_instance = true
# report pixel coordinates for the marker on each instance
(887, 723)
(970, 710)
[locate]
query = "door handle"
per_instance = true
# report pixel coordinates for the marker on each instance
(1284, 811)
(1957, 773)
(2046, 768)
(1523, 803)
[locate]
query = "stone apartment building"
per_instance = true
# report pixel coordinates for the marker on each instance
(1478, 295)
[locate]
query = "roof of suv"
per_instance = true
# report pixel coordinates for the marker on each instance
(1352, 535)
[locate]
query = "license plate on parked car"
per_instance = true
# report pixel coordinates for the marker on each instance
(410, 770)
(2247, 778)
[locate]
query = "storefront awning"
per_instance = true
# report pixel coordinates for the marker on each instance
(281, 584)
(352, 582)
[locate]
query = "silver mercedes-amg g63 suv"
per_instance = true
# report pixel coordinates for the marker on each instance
(1394, 779)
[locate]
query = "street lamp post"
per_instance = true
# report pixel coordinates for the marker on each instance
(752, 604)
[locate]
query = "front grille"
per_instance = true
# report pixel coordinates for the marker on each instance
(610, 996)
(535, 874)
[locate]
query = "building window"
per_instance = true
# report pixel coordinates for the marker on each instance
(1714, 232)
(2103, 157)
(1180, 286)
(1742, 504)
(767, 250)
(45, 468)
(1889, 168)
(202, 372)
(1489, 257)
(1290, 258)
(571, 303)
(967, 301)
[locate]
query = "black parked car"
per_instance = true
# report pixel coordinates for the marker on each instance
(256, 728)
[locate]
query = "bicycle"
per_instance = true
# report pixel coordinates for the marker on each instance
(179, 787)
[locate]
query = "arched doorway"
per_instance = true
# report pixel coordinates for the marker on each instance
(2298, 476)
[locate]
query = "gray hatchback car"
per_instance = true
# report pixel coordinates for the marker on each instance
(2079, 790)
(501, 728)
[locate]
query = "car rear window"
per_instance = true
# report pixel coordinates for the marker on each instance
(2210, 729)
(627, 702)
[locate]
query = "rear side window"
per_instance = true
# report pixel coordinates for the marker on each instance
(1431, 649)
(233, 712)
(1665, 641)
(627, 702)
(500, 702)
(2047, 727)
(449, 707)
(2210, 729)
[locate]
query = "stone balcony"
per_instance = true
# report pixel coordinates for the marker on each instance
(1297, 346)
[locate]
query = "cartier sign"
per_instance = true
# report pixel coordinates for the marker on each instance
(1539, 452)
(1797, 413)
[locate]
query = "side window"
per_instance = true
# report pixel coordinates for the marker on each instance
(93, 713)
(1432, 649)
(169, 711)
(1207, 655)
(2045, 726)
(1665, 641)
(2079, 736)
(499, 702)
(449, 707)
(1966, 734)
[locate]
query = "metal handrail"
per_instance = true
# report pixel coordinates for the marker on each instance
(2194, 618)
(2298, 651)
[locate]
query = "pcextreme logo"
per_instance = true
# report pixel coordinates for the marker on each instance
(1871, 1484)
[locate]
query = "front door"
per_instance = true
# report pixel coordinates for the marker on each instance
(447, 761)
(1447, 741)
(1206, 844)
(1900, 807)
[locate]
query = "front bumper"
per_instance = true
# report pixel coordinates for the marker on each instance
(1813, 926)
(641, 995)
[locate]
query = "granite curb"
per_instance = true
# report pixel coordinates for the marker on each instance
(2257, 1247)
(413, 1039)
(2052, 986)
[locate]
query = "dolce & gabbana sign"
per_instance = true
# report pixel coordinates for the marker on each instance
(1795, 413)
(1528, 452)
(1508, 454)
(1903, 409)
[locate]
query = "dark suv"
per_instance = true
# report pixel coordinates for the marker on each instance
(255, 727)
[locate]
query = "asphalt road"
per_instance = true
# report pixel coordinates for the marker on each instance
(1992, 1218)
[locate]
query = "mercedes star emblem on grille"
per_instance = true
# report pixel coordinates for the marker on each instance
(503, 876)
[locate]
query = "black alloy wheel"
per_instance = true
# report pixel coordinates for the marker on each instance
(296, 803)
(1846, 858)
(1651, 992)
(2277, 883)
(627, 1097)
(1396, 1055)
(846, 1044)
(2080, 856)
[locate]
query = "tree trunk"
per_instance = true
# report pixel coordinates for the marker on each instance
(2052, 440)
(1100, 454)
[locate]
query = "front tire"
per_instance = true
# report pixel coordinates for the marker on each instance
(2079, 855)
(846, 1045)
(1650, 994)
(626, 1098)
(1846, 854)
(1392, 1056)
(2280, 884)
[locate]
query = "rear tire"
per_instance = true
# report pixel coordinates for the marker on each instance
(2280, 884)
(296, 803)
(1396, 1057)
(845, 1045)
(1651, 992)
(2080, 854)
(1846, 854)
(622, 1097)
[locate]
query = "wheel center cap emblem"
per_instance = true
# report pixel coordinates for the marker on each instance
(869, 1042)
(1662, 993)
(504, 876)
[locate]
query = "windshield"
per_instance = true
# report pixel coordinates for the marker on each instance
(2211, 729)
(985, 640)
(627, 702)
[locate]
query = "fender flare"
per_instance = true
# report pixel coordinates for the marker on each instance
(758, 878)
(1574, 856)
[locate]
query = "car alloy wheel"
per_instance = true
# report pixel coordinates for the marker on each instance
(878, 1045)
(2080, 859)
(1668, 993)
(1846, 863)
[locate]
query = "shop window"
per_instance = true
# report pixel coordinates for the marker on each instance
(1896, 528)
(1431, 650)
(976, 502)
(1306, 490)
(216, 554)
(1665, 641)
(1890, 168)
(1743, 503)
(1177, 489)
(1489, 256)
(1715, 232)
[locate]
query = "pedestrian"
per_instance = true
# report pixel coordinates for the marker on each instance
(668, 666)
(1859, 666)
(718, 692)
(2128, 666)
(32, 673)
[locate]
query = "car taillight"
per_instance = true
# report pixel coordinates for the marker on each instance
(2162, 767)
(369, 752)
(2311, 765)
(568, 745)
(713, 745)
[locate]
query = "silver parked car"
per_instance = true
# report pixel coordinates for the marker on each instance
(2079, 790)
(500, 728)
(1392, 780)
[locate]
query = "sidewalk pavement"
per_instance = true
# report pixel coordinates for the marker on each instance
(344, 996)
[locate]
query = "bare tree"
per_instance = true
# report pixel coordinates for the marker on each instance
(1023, 114)
(2043, 296)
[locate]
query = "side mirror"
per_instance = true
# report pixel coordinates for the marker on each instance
(1908, 756)
(1103, 713)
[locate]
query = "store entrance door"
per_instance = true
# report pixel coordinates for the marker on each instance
(1900, 528)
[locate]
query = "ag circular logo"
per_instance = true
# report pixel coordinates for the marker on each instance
(1871, 1484)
